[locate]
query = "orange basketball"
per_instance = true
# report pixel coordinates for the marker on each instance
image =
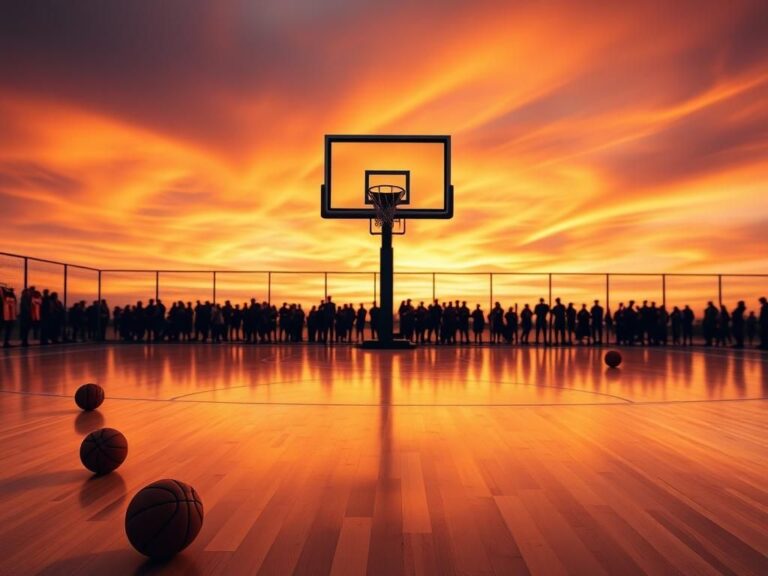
(612, 358)
(163, 518)
(89, 396)
(103, 450)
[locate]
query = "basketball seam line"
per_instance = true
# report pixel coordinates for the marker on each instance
(131, 517)
(106, 454)
(164, 489)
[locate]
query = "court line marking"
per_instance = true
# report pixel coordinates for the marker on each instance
(624, 402)
(497, 382)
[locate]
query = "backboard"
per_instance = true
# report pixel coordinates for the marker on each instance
(419, 164)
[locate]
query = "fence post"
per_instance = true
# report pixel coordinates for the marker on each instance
(434, 294)
(720, 289)
(98, 307)
(214, 287)
(664, 290)
(325, 289)
(490, 282)
(269, 288)
(66, 278)
(607, 292)
(374, 286)
(550, 290)
(157, 285)
(26, 272)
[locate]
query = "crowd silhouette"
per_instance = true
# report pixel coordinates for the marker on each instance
(41, 316)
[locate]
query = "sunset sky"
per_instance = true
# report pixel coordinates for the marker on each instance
(587, 136)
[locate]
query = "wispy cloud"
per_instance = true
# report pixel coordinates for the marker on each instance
(586, 136)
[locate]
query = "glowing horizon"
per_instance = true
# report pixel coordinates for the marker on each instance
(585, 138)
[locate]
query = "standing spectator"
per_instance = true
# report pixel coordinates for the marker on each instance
(582, 324)
(709, 324)
(541, 310)
(751, 328)
(688, 319)
(558, 319)
(25, 316)
(217, 324)
(763, 323)
(526, 320)
(597, 323)
(478, 324)
(463, 314)
(360, 323)
(737, 324)
(723, 327)
(676, 317)
(10, 312)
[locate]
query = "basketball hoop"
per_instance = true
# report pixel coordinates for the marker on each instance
(385, 198)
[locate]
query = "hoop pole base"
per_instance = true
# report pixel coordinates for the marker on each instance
(394, 344)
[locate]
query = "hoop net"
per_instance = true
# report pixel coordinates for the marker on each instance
(385, 198)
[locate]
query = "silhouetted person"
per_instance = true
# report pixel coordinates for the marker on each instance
(312, 324)
(526, 323)
(620, 323)
(676, 318)
(407, 320)
(435, 312)
(632, 324)
(751, 328)
(662, 321)
(541, 310)
(464, 322)
(36, 300)
(25, 316)
(478, 324)
(299, 317)
(360, 317)
(570, 321)
(582, 324)
(738, 324)
(189, 320)
(763, 323)
(421, 319)
(235, 323)
(330, 315)
(645, 333)
(597, 323)
(448, 328)
(57, 318)
(374, 312)
(723, 327)
(496, 319)
(510, 329)
(558, 321)
(10, 312)
(217, 324)
(709, 324)
(283, 322)
(227, 311)
(688, 318)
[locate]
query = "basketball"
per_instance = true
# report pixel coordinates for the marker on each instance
(163, 518)
(103, 450)
(612, 358)
(89, 396)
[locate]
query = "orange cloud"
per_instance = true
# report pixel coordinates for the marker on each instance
(189, 135)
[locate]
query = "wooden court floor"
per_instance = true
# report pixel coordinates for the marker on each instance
(439, 461)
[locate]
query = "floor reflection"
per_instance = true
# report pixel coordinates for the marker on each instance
(345, 375)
